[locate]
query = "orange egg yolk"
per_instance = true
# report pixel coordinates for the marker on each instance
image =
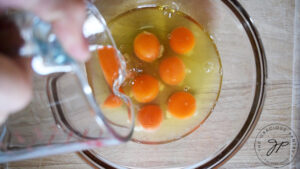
(112, 101)
(146, 47)
(109, 63)
(172, 70)
(150, 117)
(145, 88)
(182, 40)
(182, 105)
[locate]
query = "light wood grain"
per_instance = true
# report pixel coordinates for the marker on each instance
(275, 21)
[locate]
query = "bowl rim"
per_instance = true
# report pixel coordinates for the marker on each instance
(257, 105)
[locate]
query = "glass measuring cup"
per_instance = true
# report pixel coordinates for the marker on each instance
(63, 115)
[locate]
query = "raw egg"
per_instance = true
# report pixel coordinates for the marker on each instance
(109, 63)
(150, 117)
(172, 70)
(147, 47)
(182, 105)
(145, 88)
(182, 40)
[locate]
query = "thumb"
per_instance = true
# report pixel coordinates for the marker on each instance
(15, 85)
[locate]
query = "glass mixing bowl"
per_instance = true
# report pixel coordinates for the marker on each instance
(240, 101)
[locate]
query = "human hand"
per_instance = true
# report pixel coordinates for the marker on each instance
(66, 17)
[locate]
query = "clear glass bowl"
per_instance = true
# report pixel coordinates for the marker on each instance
(240, 102)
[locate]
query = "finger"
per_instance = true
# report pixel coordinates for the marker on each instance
(67, 17)
(69, 30)
(15, 85)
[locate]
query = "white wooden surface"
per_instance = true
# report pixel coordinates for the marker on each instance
(275, 21)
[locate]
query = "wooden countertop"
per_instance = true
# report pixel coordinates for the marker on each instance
(274, 20)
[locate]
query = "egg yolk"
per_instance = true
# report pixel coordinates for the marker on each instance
(109, 63)
(150, 117)
(112, 101)
(182, 105)
(146, 47)
(172, 70)
(182, 40)
(145, 88)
